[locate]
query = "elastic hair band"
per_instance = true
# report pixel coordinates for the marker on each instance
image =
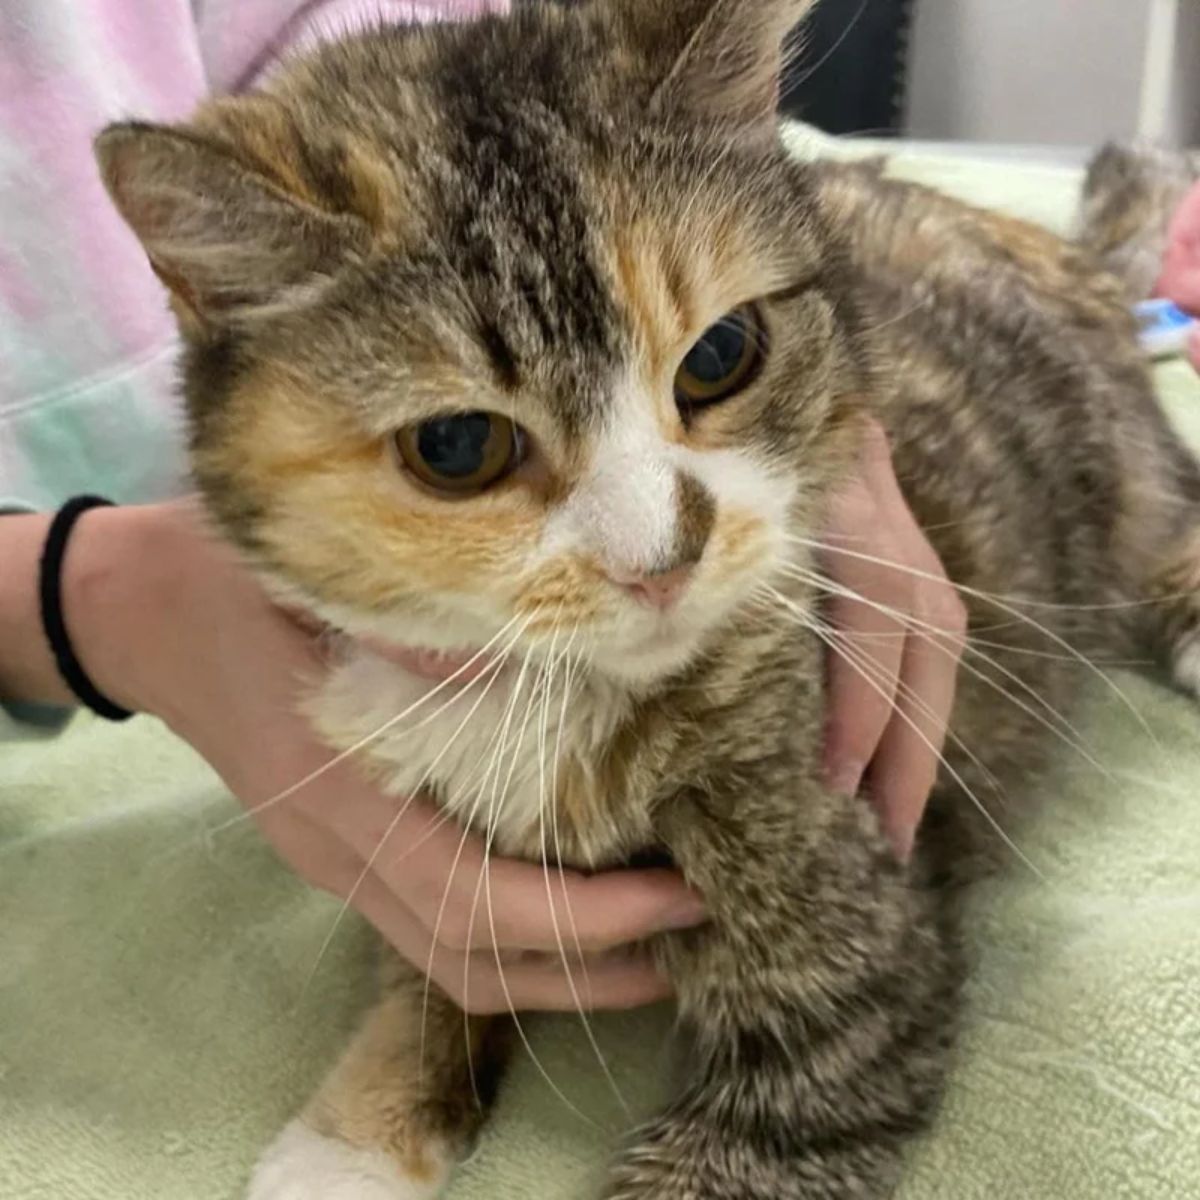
(50, 593)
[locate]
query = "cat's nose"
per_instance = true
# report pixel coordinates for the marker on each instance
(660, 590)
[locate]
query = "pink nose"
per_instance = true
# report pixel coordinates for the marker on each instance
(660, 591)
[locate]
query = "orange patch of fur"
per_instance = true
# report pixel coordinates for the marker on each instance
(671, 293)
(384, 1094)
(649, 299)
(343, 518)
(563, 590)
(736, 542)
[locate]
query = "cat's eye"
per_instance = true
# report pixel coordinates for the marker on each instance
(463, 453)
(723, 362)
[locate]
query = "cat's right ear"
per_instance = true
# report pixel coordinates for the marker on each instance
(722, 59)
(227, 240)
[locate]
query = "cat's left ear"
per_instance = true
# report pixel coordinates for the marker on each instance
(227, 239)
(720, 58)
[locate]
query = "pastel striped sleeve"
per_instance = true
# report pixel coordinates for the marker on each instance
(239, 40)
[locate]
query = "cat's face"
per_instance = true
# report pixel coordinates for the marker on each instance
(502, 342)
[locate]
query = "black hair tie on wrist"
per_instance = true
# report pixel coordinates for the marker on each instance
(50, 592)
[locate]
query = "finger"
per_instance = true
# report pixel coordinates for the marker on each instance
(380, 828)
(481, 981)
(421, 857)
(319, 857)
(330, 839)
(864, 664)
(909, 755)
(436, 870)
(595, 913)
(479, 985)
(870, 643)
(554, 984)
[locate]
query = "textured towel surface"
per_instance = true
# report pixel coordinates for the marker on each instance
(160, 1016)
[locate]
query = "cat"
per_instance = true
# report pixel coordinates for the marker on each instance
(525, 340)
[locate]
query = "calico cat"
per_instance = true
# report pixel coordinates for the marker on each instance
(527, 337)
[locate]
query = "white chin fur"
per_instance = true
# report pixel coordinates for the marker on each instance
(647, 667)
(302, 1164)
(486, 748)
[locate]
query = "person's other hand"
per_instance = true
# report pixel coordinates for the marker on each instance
(1180, 278)
(891, 685)
(167, 621)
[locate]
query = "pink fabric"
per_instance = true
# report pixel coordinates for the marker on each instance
(240, 37)
(81, 316)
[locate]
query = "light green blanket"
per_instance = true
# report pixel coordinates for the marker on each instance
(158, 1021)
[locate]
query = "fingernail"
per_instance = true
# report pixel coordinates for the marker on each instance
(845, 778)
(902, 844)
(687, 916)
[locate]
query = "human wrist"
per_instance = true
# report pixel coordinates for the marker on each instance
(122, 577)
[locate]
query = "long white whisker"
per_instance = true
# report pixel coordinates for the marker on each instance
(496, 806)
(847, 648)
(369, 866)
(1072, 737)
(568, 678)
(364, 742)
(1005, 608)
(993, 597)
(1029, 652)
(499, 740)
(468, 826)
(837, 45)
(558, 937)
(799, 612)
(495, 669)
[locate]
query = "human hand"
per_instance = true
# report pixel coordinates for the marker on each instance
(167, 621)
(1180, 278)
(891, 685)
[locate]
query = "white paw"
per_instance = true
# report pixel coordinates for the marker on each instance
(1187, 665)
(302, 1164)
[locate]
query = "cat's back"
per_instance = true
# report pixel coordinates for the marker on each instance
(1007, 371)
(963, 308)
(1027, 439)
(991, 272)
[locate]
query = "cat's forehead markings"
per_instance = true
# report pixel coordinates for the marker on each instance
(654, 293)
(522, 226)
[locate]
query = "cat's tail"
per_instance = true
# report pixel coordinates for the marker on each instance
(1129, 197)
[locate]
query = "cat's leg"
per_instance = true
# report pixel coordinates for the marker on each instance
(396, 1112)
(818, 1010)
(1175, 590)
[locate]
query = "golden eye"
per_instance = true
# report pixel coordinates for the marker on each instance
(723, 362)
(461, 454)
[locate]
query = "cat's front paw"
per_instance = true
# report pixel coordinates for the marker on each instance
(305, 1165)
